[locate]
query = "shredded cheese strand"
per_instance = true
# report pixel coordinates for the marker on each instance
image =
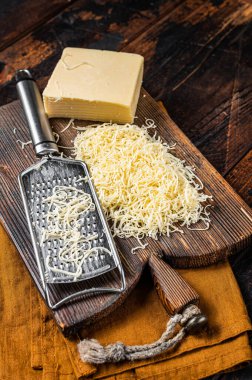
(71, 123)
(24, 143)
(67, 206)
(143, 188)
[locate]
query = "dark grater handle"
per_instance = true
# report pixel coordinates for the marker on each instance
(40, 129)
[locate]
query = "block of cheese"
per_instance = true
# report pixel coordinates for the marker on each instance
(93, 84)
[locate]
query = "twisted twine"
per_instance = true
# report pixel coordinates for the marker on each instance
(92, 351)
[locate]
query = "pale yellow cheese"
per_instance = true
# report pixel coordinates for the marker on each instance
(144, 189)
(93, 84)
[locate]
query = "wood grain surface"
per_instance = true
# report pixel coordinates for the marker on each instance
(33, 12)
(230, 230)
(202, 46)
(170, 296)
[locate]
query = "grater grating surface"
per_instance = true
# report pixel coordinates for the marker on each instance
(38, 183)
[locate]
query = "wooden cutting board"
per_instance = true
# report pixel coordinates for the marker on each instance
(230, 230)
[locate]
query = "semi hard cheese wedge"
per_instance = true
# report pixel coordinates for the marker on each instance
(95, 85)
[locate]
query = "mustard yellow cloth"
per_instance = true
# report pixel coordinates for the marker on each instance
(32, 347)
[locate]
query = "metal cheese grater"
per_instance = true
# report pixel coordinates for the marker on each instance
(38, 182)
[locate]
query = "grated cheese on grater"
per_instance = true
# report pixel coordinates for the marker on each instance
(144, 189)
(66, 207)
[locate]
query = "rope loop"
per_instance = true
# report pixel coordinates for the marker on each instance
(92, 351)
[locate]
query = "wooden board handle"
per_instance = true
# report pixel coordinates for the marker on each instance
(174, 292)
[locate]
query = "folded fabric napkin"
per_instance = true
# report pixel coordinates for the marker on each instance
(32, 347)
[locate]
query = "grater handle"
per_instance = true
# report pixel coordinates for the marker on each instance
(31, 100)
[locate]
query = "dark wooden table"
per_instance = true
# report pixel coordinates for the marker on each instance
(198, 58)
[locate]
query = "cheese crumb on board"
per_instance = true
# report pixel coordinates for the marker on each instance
(94, 84)
(144, 189)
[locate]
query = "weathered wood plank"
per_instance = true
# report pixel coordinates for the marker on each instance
(240, 178)
(198, 64)
(183, 40)
(86, 23)
(217, 103)
(18, 18)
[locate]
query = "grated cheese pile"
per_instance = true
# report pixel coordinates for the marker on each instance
(143, 188)
(66, 207)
